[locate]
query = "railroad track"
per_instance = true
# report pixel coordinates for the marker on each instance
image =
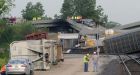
(135, 59)
(130, 64)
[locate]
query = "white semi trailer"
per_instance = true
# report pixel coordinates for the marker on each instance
(40, 52)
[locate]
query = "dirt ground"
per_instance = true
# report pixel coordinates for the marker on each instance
(73, 65)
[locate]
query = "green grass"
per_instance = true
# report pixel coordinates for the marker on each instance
(5, 55)
(3, 61)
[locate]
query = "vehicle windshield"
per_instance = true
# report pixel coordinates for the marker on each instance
(16, 62)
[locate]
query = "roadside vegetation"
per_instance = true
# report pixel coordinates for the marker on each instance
(9, 33)
(16, 32)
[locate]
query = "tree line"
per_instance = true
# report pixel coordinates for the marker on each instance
(5, 6)
(87, 9)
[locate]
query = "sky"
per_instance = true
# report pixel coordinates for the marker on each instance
(121, 11)
(51, 7)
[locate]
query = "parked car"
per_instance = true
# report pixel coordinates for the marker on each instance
(19, 66)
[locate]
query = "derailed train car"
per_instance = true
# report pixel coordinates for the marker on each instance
(123, 43)
(42, 53)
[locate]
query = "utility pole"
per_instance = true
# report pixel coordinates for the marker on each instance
(97, 40)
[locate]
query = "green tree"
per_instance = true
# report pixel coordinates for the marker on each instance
(32, 11)
(21, 30)
(12, 33)
(68, 8)
(5, 6)
(16, 32)
(2, 23)
(38, 8)
(6, 35)
(84, 8)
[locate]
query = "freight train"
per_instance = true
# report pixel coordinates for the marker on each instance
(123, 43)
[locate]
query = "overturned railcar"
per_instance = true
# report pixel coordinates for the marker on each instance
(42, 53)
(123, 43)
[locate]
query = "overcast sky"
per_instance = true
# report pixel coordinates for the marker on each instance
(122, 11)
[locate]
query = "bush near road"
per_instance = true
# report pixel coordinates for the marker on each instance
(9, 33)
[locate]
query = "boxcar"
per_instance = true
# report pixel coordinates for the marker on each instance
(124, 43)
(37, 36)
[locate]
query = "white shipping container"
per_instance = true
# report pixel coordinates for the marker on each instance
(35, 50)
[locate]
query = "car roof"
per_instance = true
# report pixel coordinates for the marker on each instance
(20, 59)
